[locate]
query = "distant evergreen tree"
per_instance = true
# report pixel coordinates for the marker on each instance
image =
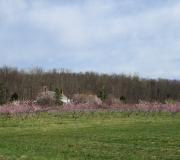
(123, 99)
(168, 96)
(102, 94)
(58, 96)
(3, 94)
(61, 92)
(14, 97)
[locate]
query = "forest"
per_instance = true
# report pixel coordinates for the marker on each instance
(27, 84)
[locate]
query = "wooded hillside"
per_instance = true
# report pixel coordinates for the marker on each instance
(27, 84)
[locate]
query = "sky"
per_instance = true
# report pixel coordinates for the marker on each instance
(108, 36)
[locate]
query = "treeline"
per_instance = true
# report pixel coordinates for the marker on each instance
(27, 84)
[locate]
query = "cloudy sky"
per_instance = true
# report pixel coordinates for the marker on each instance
(110, 36)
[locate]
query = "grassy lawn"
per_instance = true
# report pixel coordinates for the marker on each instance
(90, 136)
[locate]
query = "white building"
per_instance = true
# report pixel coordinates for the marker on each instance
(65, 100)
(51, 95)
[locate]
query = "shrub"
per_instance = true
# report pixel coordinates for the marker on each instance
(123, 99)
(170, 101)
(111, 100)
(3, 92)
(46, 98)
(14, 97)
(58, 95)
(102, 94)
(45, 101)
(84, 98)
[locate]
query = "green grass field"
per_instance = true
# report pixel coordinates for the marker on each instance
(89, 136)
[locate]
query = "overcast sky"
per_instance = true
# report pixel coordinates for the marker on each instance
(110, 36)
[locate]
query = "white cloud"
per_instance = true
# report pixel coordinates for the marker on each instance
(113, 35)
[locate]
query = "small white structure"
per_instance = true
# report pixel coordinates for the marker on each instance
(64, 99)
(51, 95)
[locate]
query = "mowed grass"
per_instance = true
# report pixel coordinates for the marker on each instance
(91, 136)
